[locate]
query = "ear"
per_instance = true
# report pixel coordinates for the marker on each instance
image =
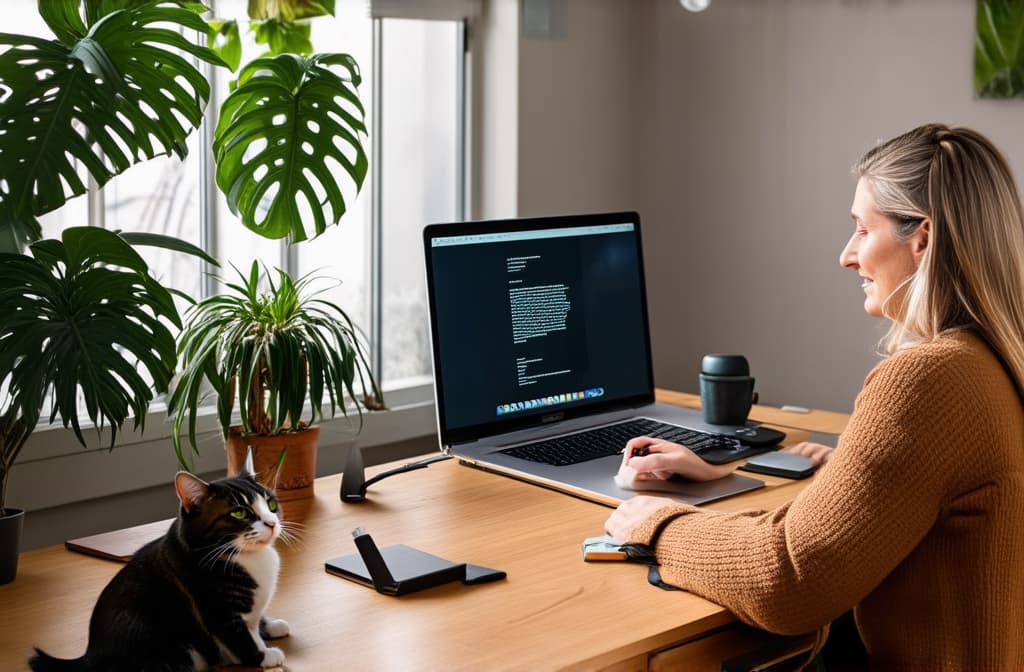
(192, 491)
(248, 467)
(919, 241)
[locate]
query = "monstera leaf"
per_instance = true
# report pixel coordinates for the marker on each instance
(282, 136)
(83, 313)
(110, 97)
(999, 49)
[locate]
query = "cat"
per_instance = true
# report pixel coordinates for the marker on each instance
(193, 598)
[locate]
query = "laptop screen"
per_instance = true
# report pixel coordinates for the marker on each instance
(536, 320)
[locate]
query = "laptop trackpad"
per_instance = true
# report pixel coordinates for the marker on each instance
(694, 492)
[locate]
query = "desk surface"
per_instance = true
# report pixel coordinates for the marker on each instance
(553, 612)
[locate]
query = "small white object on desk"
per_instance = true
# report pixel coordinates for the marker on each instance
(795, 409)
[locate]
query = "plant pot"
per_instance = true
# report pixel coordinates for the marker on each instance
(10, 540)
(295, 480)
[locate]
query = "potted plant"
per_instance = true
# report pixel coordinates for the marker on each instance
(82, 314)
(118, 85)
(280, 352)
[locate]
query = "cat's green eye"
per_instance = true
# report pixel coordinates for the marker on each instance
(272, 505)
(238, 513)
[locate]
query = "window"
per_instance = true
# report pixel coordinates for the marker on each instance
(420, 166)
(414, 96)
(413, 93)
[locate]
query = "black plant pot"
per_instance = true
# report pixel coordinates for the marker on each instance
(10, 540)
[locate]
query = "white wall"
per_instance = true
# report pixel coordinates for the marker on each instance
(732, 132)
(578, 121)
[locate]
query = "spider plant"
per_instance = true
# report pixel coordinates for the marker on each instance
(277, 352)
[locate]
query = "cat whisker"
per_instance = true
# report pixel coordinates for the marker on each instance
(290, 533)
(217, 553)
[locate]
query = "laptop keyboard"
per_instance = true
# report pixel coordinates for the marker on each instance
(611, 440)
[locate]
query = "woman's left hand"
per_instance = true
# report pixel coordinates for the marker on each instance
(631, 513)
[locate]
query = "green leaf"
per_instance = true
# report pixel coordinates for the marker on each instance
(290, 10)
(143, 238)
(999, 49)
(63, 18)
(82, 314)
(283, 37)
(294, 10)
(110, 100)
(282, 137)
(283, 341)
(225, 41)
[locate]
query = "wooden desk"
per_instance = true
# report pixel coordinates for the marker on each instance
(553, 612)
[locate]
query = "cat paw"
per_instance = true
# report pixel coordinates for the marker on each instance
(273, 628)
(272, 657)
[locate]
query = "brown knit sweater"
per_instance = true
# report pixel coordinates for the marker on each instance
(917, 520)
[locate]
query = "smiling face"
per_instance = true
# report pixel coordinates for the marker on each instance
(881, 258)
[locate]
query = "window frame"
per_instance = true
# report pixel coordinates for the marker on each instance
(146, 459)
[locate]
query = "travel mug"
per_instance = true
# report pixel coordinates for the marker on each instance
(726, 389)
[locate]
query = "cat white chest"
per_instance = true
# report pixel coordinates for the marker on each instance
(263, 566)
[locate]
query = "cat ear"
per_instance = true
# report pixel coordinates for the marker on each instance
(248, 467)
(192, 490)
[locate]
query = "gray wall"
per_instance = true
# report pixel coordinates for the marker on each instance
(732, 132)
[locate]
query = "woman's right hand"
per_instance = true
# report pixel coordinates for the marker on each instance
(658, 460)
(817, 452)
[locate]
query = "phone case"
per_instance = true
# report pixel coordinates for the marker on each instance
(786, 465)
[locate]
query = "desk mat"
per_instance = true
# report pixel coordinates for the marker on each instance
(118, 545)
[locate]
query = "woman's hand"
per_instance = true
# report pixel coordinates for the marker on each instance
(631, 513)
(818, 453)
(658, 460)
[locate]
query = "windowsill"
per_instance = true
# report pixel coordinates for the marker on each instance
(54, 469)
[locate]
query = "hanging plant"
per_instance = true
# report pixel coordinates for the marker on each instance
(999, 49)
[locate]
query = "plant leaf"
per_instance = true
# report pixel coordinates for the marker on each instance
(286, 343)
(83, 314)
(999, 49)
(225, 41)
(279, 141)
(111, 99)
(289, 10)
(162, 241)
(63, 18)
(283, 37)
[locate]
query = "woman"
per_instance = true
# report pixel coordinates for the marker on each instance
(917, 519)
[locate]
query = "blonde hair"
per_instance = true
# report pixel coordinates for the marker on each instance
(971, 275)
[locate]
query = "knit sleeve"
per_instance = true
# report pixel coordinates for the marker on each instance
(800, 566)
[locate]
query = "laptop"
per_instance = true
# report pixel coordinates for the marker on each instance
(539, 330)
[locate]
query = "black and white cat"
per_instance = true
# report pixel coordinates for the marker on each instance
(195, 597)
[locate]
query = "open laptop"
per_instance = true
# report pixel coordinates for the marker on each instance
(539, 329)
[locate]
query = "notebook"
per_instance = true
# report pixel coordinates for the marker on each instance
(538, 329)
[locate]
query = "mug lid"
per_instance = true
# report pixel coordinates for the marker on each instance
(725, 365)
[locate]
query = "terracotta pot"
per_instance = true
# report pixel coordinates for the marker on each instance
(295, 480)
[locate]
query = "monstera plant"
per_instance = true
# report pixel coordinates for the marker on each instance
(106, 93)
(118, 84)
(279, 141)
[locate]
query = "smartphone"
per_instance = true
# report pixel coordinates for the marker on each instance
(602, 548)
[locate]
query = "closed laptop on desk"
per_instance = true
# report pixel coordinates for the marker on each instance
(539, 329)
